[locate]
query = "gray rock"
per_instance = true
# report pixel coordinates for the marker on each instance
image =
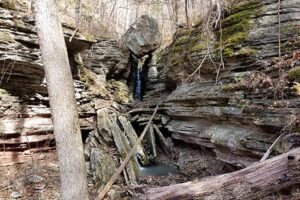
(107, 59)
(239, 122)
(102, 165)
(153, 73)
(40, 186)
(103, 126)
(254, 44)
(35, 178)
(21, 67)
(15, 195)
(143, 37)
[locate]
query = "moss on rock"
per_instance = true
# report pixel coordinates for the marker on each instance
(237, 26)
(6, 37)
(89, 38)
(8, 4)
(3, 93)
(197, 48)
(294, 74)
(181, 41)
(120, 91)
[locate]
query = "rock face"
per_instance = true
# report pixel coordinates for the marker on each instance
(20, 5)
(253, 101)
(108, 59)
(249, 40)
(143, 37)
(21, 66)
(25, 116)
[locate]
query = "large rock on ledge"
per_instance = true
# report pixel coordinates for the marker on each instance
(143, 37)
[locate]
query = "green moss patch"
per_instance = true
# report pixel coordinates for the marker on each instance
(236, 28)
(182, 40)
(294, 74)
(5, 36)
(197, 48)
(89, 38)
(8, 4)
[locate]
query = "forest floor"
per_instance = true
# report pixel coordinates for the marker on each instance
(39, 179)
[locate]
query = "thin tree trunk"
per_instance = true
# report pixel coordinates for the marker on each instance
(171, 17)
(253, 182)
(62, 101)
(117, 17)
(78, 12)
(186, 13)
(126, 17)
(176, 8)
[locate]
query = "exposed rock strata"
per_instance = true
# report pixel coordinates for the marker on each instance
(242, 114)
(108, 59)
(21, 66)
(249, 40)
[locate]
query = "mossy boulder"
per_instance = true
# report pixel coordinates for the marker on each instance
(236, 28)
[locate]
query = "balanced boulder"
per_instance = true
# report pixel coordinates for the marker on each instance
(143, 37)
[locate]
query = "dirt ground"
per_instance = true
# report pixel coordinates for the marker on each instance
(39, 179)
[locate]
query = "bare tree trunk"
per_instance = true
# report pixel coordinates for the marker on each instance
(176, 9)
(137, 9)
(253, 182)
(78, 12)
(62, 101)
(117, 17)
(186, 13)
(127, 16)
(171, 17)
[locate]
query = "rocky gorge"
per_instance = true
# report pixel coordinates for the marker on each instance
(230, 90)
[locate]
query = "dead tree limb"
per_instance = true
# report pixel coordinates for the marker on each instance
(163, 142)
(124, 163)
(269, 151)
(253, 182)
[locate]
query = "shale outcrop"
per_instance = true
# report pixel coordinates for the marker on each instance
(240, 107)
(22, 68)
(108, 59)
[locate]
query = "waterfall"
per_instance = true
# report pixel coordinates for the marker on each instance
(138, 85)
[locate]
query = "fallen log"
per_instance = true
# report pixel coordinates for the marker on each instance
(152, 141)
(163, 142)
(253, 182)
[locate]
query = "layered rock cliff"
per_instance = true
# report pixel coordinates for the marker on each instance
(238, 107)
(20, 57)
(25, 117)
